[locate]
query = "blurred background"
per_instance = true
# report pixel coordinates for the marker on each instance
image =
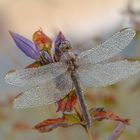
(85, 23)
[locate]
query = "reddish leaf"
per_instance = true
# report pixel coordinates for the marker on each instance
(117, 132)
(114, 117)
(100, 114)
(68, 103)
(50, 124)
(44, 44)
(42, 41)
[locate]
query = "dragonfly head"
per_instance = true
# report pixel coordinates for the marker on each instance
(65, 46)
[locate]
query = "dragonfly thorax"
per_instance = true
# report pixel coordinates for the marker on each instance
(70, 59)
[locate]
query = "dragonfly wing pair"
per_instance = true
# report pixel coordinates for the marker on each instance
(94, 74)
(52, 82)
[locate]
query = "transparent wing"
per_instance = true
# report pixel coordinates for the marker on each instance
(107, 74)
(45, 93)
(108, 49)
(33, 76)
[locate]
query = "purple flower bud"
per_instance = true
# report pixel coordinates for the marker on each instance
(60, 38)
(48, 57)
(25, 45)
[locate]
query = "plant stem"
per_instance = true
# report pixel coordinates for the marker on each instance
(89, 133)
(86, 129)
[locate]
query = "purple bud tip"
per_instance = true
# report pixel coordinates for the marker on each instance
(25, 45)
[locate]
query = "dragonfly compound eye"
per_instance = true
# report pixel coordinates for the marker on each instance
(65, 46)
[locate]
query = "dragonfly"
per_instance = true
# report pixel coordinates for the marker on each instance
(50, 83)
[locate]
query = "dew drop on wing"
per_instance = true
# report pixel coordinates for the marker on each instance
(45, 93)
(34, 76)
(107, 49)
(99, 75)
